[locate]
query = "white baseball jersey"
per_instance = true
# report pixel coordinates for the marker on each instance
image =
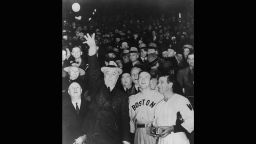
(142, 107)
(166, 115)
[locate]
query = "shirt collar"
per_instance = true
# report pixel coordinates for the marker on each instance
(137, 87)
(76, 101)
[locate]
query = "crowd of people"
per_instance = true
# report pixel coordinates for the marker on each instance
(128, 78)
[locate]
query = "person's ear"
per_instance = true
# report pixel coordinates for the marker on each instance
(171, 85)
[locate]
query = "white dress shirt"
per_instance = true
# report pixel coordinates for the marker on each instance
(78, 103)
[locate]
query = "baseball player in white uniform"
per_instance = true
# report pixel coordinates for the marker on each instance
(141, 109)
(173, 115)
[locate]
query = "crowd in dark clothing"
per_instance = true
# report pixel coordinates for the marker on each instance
(158, 43)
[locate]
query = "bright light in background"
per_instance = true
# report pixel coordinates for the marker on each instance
(75, 7)
(94, 10)
(78, 17)
(90, 19)
(179, 17)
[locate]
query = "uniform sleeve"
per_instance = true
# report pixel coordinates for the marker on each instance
(187, 114)
(131, 114)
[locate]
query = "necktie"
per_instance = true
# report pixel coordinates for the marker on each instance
(77, 109)
(109, 89)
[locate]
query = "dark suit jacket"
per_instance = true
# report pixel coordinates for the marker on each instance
(127, 67)
(131, 91)
(144, 64)
(134, 91)
(107, 121)
(185, 79)
(71, 121)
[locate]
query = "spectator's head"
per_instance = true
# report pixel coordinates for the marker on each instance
(74, 72)
(182, 37)
(76, 52)
(152, 50)
(173, 38)
(116, 50)
(187, 49)
(153, 33)
(151, 44)
(75, 91)
(135, 75)
(126, 56)
(135, 36)
(85, 28)
(152, 54)
(117, 39)
(124, 45)
(190, 60)
(171, 52)
(143, 51)
(142, 45)
(165, 54)
(144, 80)
(134, 54)
(65, 35)
(81, 35)
(119, 63)
(153, 83)
(165, 83)
(111, 54)
(79, 28)
(111, 73)
(126, 80)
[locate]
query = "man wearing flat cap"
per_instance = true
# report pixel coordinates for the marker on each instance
(75, 74)
(134, 56)
(124, 45)
(153, 59)
(107, 120)
(143, 53)
(144, 57)
(186, 49)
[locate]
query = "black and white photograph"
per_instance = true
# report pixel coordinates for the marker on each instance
(128, 71)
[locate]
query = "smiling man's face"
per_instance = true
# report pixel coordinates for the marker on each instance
(75, 90)
(144, 80)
